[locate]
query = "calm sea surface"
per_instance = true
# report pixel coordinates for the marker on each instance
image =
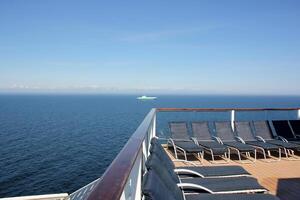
(53, 144)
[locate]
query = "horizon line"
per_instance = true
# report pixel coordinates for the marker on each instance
(61, 93)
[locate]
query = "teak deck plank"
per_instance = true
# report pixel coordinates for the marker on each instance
(281, 178)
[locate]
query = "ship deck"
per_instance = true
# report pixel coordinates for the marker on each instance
(281, 178)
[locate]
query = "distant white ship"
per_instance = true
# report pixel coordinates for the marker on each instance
(146, 98)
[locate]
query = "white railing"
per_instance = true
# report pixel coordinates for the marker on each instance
(133, 185)
(123, 178)
(84, 192)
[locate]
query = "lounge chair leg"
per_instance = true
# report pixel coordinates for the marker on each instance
(227, 156)
(185, 157)
(279, 151)
(292, 153)
(269, 153)
(212, 155)
(175, 152)
(286, 153)
(199, 157)
(174, 147)
(224, 157)
(265, 156)
(239, 155)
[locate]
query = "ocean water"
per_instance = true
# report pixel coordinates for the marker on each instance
(59, 143)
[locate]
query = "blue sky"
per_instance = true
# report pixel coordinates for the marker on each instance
(181, 47)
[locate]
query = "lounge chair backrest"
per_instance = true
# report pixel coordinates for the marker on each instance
(295, 124)
(262, 129)
(154, 188)
(157, 149)
(224, 131)
(283, 129)
(243, 130)
(201, 130)
(179, 130)
(168, 176)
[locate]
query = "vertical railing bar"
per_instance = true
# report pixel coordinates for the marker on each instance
(232, 119)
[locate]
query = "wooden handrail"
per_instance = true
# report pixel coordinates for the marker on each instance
(115, 177)
(222, 109)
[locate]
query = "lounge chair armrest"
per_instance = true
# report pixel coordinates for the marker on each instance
(171, 141)
(217, 139)
(297, 136)
(162, 133)
(282, 139)
(200, 187)
(259, 138)
(194, 140)
(188, 171)
(240, 139)
(194, 186)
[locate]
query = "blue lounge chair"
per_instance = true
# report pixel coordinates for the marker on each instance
(154, 188)
(211, 145)
(195, 171)
(181, 142)
(226, 136)
(208, 185)
(287, 130)
(263, 132)
(245, 135)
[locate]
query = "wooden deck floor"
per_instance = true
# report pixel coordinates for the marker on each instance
(280, 178)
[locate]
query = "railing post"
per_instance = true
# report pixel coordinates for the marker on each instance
(154, 126)
(232, 119)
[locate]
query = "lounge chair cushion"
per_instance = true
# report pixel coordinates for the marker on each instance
(240, 146)
(266, 146)
(295, 141)
(224, 131)
(154, 163)
(226, 184)
(189, 146)
(155, 189)
(179, 130)
(295, 124)
(201, 130)
(217, 148)
(215, 171)
(243, 129)
(214, 184)
(157, 149)
(284, 144)
(262, 129)
(283, 129)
